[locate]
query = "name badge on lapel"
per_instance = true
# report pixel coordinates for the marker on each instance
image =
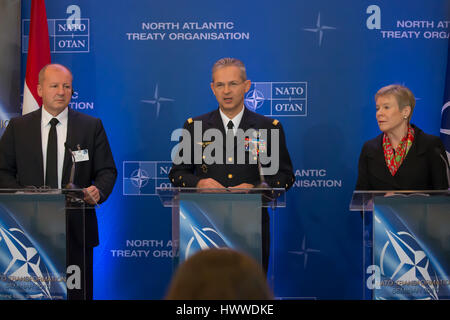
(81, 155)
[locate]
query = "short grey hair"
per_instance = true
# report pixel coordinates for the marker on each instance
(402, 94)
(228, 62)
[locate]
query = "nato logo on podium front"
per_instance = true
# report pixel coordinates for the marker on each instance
(23, 263)
(203, 238)
(404, 265)
(403, 261)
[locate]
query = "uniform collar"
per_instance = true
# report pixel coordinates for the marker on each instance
(236, 120)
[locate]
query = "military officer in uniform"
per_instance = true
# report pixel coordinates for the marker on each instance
(229, 85)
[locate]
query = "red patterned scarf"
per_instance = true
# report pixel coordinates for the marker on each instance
(394, 160)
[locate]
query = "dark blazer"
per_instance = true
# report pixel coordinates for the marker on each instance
(188, 175)
(21, 162)
(422, 169)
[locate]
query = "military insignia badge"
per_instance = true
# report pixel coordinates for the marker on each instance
(255, 145)
(204, 143)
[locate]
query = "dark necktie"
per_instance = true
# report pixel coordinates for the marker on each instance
(230, 131)
(230, 139)
(230, 126)
(51, 172)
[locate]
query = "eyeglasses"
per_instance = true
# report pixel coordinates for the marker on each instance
(233, 84)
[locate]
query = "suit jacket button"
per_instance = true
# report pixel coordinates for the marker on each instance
(230, 176)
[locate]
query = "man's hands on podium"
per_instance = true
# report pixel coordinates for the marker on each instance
(213, 184)
(243, 186)
(91, 195)
(209, 183)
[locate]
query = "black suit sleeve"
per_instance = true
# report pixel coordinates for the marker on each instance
(8, 168)
(438, 165)
(284, 178)
(104, 168)
(183, 174)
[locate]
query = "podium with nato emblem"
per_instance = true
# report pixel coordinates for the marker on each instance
(38, 260)
(220, 218)
(406, 244)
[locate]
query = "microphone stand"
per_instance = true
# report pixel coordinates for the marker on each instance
(446, 169)
(262, 182)
(70, 185)
(73, 197)
(266, 196)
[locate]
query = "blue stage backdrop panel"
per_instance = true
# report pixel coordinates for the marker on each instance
(10, 61)
(143, 67)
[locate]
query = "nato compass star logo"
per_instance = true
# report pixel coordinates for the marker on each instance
(254, 99)
(304, 252)
(202, 237)
(139, 178)
(403, 261)
(157, 99)
(319, 29)
(25, 262)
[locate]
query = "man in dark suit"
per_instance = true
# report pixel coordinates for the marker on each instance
(229, 85)
(34, 152)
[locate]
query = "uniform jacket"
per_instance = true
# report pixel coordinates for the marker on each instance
(188, 175)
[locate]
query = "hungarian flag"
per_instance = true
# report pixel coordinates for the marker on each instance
(445, 122)
(38, 55)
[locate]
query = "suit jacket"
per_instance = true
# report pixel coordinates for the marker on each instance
(422, 168)
(188, 175)
(21, 162)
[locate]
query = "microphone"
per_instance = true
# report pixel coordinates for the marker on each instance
(262, 182)
(70, 185)
(446, 166)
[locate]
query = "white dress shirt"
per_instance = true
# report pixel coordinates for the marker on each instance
(236, 120)
(61, 132)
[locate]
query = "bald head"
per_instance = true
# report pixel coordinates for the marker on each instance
(55, 88)
(54, 66)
